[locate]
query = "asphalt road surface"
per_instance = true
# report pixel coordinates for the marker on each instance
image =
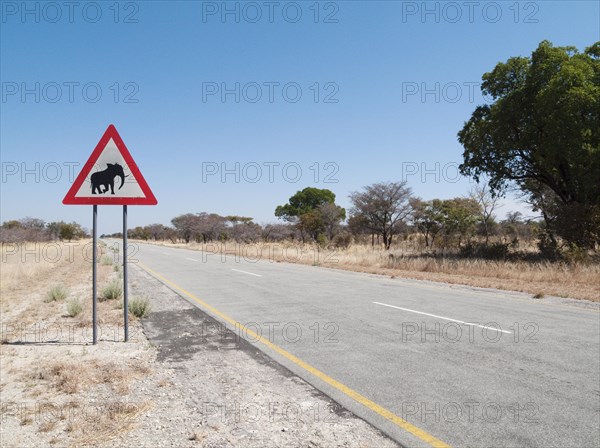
(429, 364)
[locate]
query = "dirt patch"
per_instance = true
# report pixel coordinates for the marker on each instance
(56, 389)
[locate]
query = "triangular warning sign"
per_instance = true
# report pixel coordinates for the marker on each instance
(110, 176)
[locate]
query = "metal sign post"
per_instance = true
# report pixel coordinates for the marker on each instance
(94, 292)
(125, 298)
(95, 185)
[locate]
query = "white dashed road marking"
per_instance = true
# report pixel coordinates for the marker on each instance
(445, 318)
(246, 272)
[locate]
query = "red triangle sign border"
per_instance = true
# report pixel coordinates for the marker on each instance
(111, 133)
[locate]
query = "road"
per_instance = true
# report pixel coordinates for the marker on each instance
(429, 364)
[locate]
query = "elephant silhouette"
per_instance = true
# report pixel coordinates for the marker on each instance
(106, 179)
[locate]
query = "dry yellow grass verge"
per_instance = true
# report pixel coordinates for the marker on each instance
(56, 388)
(578, 281)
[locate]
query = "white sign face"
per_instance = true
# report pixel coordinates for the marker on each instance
(110, 176)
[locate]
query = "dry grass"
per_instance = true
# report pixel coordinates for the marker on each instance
(57, 367)
(579, 281)
(34, 270)
(24, 265)
(196, 436)
(118, 417)
(85, 425)
(70, 377)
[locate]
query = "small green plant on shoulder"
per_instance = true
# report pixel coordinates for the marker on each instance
(139, 307)
(74, 307)
(117, 268)
(56, 293)
(106, 261)
(112, 291)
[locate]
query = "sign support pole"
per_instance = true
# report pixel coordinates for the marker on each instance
(94, 292)
(125, 291)
(90, 188)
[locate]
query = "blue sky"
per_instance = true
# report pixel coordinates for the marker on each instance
(151, 68)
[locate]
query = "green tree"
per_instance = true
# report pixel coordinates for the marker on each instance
(303, 202)
(459, 217)
(68, 231)
(311, 223)
(331, 216)
(455, 219)
(65, 231)
(542, 133)
(138, 233)
(427, 218)
(314, 211)
(12, 224)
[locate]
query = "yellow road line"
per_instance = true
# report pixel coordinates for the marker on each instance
(417, 432)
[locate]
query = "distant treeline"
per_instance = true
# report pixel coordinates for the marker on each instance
(35, 229)
(382, 214)
(205, 227)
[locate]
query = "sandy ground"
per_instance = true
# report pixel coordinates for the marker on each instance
(56, 388)
(182, 380)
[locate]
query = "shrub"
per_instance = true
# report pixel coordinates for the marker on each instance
(112, 291)
(139, 307)
(106, 261)
(74, 307)
(342, 241)
(495, 251)
(576, 254)
(56, 293)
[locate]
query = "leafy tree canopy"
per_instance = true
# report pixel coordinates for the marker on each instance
(304, 201)
(542, 131)
(544, 124)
